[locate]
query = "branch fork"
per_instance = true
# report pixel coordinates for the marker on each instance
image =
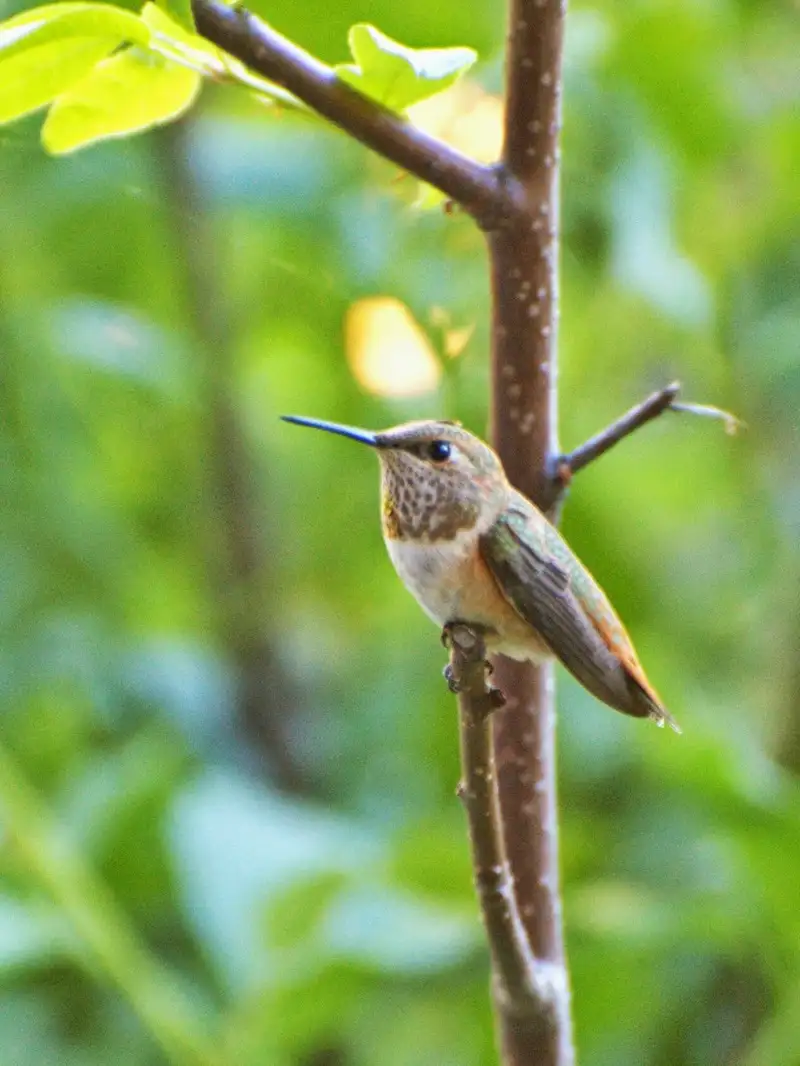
(478, 188)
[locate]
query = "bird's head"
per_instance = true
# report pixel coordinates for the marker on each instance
(437, 478)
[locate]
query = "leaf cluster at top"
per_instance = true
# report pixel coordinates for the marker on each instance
(107, 72)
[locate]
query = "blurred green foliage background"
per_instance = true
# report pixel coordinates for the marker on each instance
(228, 759)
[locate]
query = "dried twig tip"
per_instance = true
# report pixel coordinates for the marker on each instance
(733, 425)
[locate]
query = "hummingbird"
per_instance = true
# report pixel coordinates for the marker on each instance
(470, 548)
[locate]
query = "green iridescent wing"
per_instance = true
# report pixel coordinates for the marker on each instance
(548, 587)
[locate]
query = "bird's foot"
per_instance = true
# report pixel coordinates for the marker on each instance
(446, 635)
(461, 634)
(450, 678)
(495, 698)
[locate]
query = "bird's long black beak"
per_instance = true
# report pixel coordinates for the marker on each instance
(362, 435)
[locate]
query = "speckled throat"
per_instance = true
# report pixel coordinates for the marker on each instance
(422, 504)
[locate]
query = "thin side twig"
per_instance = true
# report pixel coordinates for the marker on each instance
(524, 987)
(655, 404)
(474, 186)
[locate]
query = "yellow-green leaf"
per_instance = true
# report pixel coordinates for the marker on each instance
(41, 25)
(170, 38)
(181, 11)
(127, 93)
(159, 20)
(36, 77)
(397, 76)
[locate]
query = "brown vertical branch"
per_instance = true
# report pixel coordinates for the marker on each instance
(517, 205)
(515, 841)
(264, 702)
(524, 265)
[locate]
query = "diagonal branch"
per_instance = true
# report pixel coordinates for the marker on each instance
(477, 188)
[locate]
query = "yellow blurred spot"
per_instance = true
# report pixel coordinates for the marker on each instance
(439, 317)
(387, 350)
(456, 340)
(466, 117)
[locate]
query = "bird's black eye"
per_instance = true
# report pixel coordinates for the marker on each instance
(438, 450)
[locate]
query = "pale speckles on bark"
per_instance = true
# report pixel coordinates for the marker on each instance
(527, 423)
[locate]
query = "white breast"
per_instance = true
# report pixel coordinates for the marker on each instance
(432, 572)
(445, 581)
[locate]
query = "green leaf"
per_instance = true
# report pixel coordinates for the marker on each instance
(180, 11)
(397, 76)
(172, 41)
(129, 92)
(35, 78)
(45, 51)
(296, 914)
(163, 23)
(56, 22)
